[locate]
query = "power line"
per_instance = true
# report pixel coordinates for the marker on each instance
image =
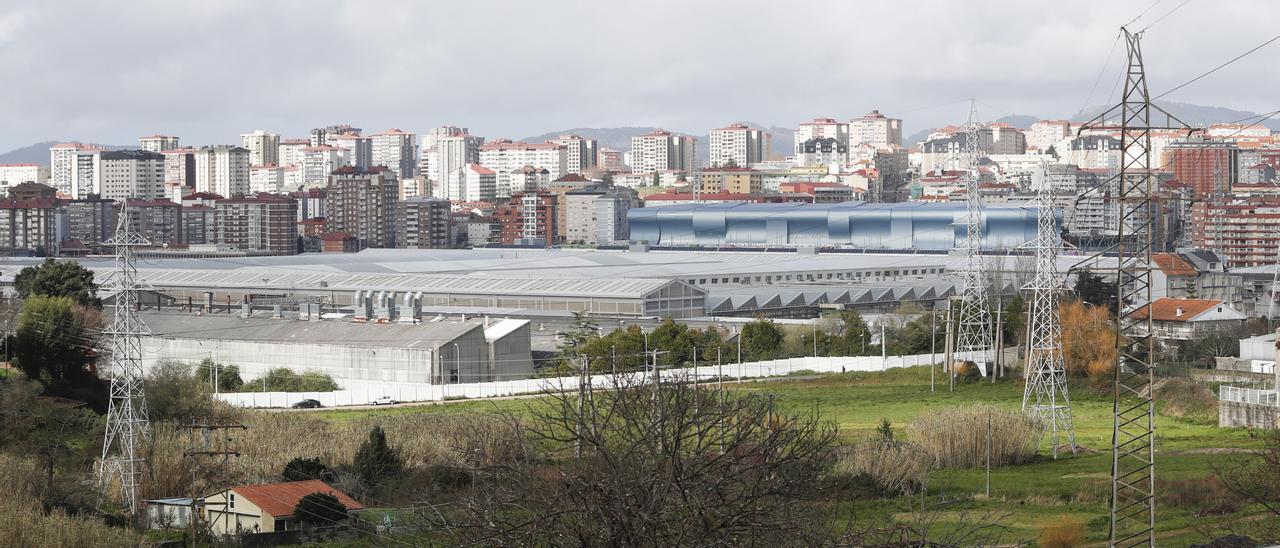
(1219, 67)
(1161, 18)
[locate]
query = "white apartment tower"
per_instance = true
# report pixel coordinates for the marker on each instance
(875, 129)
(158, 143)
(1050, 133)
(319, 162)
(738, 145)
(263, 147)
(74, 168)
(131, 174)
(580, 154)
(222, 170)
(661, 150)
(821, 128)
(451, 153)
(396, 150)
(472, 183)
(504, 156)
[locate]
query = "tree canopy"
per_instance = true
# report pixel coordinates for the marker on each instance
(57, 279)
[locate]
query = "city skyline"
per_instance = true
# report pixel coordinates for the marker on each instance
(209, 73)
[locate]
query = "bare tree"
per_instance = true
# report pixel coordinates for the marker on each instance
(662, 465)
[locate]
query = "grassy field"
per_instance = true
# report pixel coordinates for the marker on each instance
(1030, 495)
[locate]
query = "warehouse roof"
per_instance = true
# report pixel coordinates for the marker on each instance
(263, 328)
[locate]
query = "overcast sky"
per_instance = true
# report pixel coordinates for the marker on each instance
(210, 70)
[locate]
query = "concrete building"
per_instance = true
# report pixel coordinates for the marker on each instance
(396, 150)
(504, 157)
(29, 226)
(472, 183)
(529, 179)
(1245, 231)
(158, 143)
(326, 135)
(264, 508)
(159, 220)
(260, 223)
(583, 214)
(820, 128)
(91, 220)
(268, 179)
(320, 161)
(609, 160)
(738, 145)
(1049, 133)
(362, 204)
(822, 193)
(222, 170)
(358, 149)
(74, 168)
(14, 174)
(131, 174)
(1207, 167)
(180, 169)
(580, 153)
(1187, 319)
(311, 203)
(199, 225)
(661, 150)
(290, 151)
(263, 147)
(452, 153)
(422, 223)
(735, 180)
(875, 129)
(821, 151)
(945, 148)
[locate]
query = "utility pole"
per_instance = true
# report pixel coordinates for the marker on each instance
(214, 444)
(582, 406)
(998, 344)
(950, 349)
(884, 346)
(933, 346)
(815, 337)
(988, 453)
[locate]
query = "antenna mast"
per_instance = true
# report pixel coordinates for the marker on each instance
(127, 423)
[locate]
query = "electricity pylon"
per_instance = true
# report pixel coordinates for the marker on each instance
(127, 422)
(1045, 395)
(1133, 450)
(974, 339)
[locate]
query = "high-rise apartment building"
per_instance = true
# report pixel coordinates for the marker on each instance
(734, 180)
(597, 215)
(738, 145)
(91, 220)
(29, 225)
(821, 128)
(359, 149)
(504, 156)
(580, 153)
(661, 150)
(422, 223)
(450, 153)
(1208, 167)
(610, 160)
(14, 174)
(396, 150)
(268, 179)
(1049, 133)
(199, 224)
(319, 161)
(131, 174)
(260, 223)
(875, 129)
(263, 147)
(159, 221)
(362, 204)
(473, 183)
(222, 170)
(74, 168)
(158, 143)
(325, 135)
(180, 167)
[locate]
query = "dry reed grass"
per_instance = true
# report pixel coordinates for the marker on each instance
(26, 524)
(899, 467)
(956, 437)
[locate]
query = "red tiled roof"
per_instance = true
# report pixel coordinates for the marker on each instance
(1166, 309)
(1173, 265)
(279, 499)
(19, 165)
(335, 236)
(479, 169)
(202, 196)
(572, 178)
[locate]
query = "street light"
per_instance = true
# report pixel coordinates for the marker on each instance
(457, 363)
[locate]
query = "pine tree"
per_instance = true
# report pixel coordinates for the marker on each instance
(375, 460)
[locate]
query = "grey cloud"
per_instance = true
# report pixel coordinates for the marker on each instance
(207, 71)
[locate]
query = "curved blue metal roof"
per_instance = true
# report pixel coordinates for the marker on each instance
(909, 225)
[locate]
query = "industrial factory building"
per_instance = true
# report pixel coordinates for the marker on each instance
(861, 225)
(439, 352)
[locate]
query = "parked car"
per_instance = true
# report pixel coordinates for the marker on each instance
(307, 404)
(385, 400)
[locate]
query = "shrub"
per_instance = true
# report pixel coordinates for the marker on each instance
(956, 437)
(1203, 496)
(285, 380)
(1186, 399)
(896, 467)
(320, 509)
(1065, 532)
(302, 469)
(447, 478)
(375, 460)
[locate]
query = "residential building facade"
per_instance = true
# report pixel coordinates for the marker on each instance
(738, 145)
(362, 204)
(422, 223)
(260, 223)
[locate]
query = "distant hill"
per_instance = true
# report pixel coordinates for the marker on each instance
(1194, 115)
(39, 153)
(1019, 121)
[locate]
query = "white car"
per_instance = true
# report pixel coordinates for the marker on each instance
(385, 400)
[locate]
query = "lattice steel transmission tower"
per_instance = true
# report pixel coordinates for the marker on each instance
(974, 337)
(1133, 490)
(127, 424)
(1045, 395)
